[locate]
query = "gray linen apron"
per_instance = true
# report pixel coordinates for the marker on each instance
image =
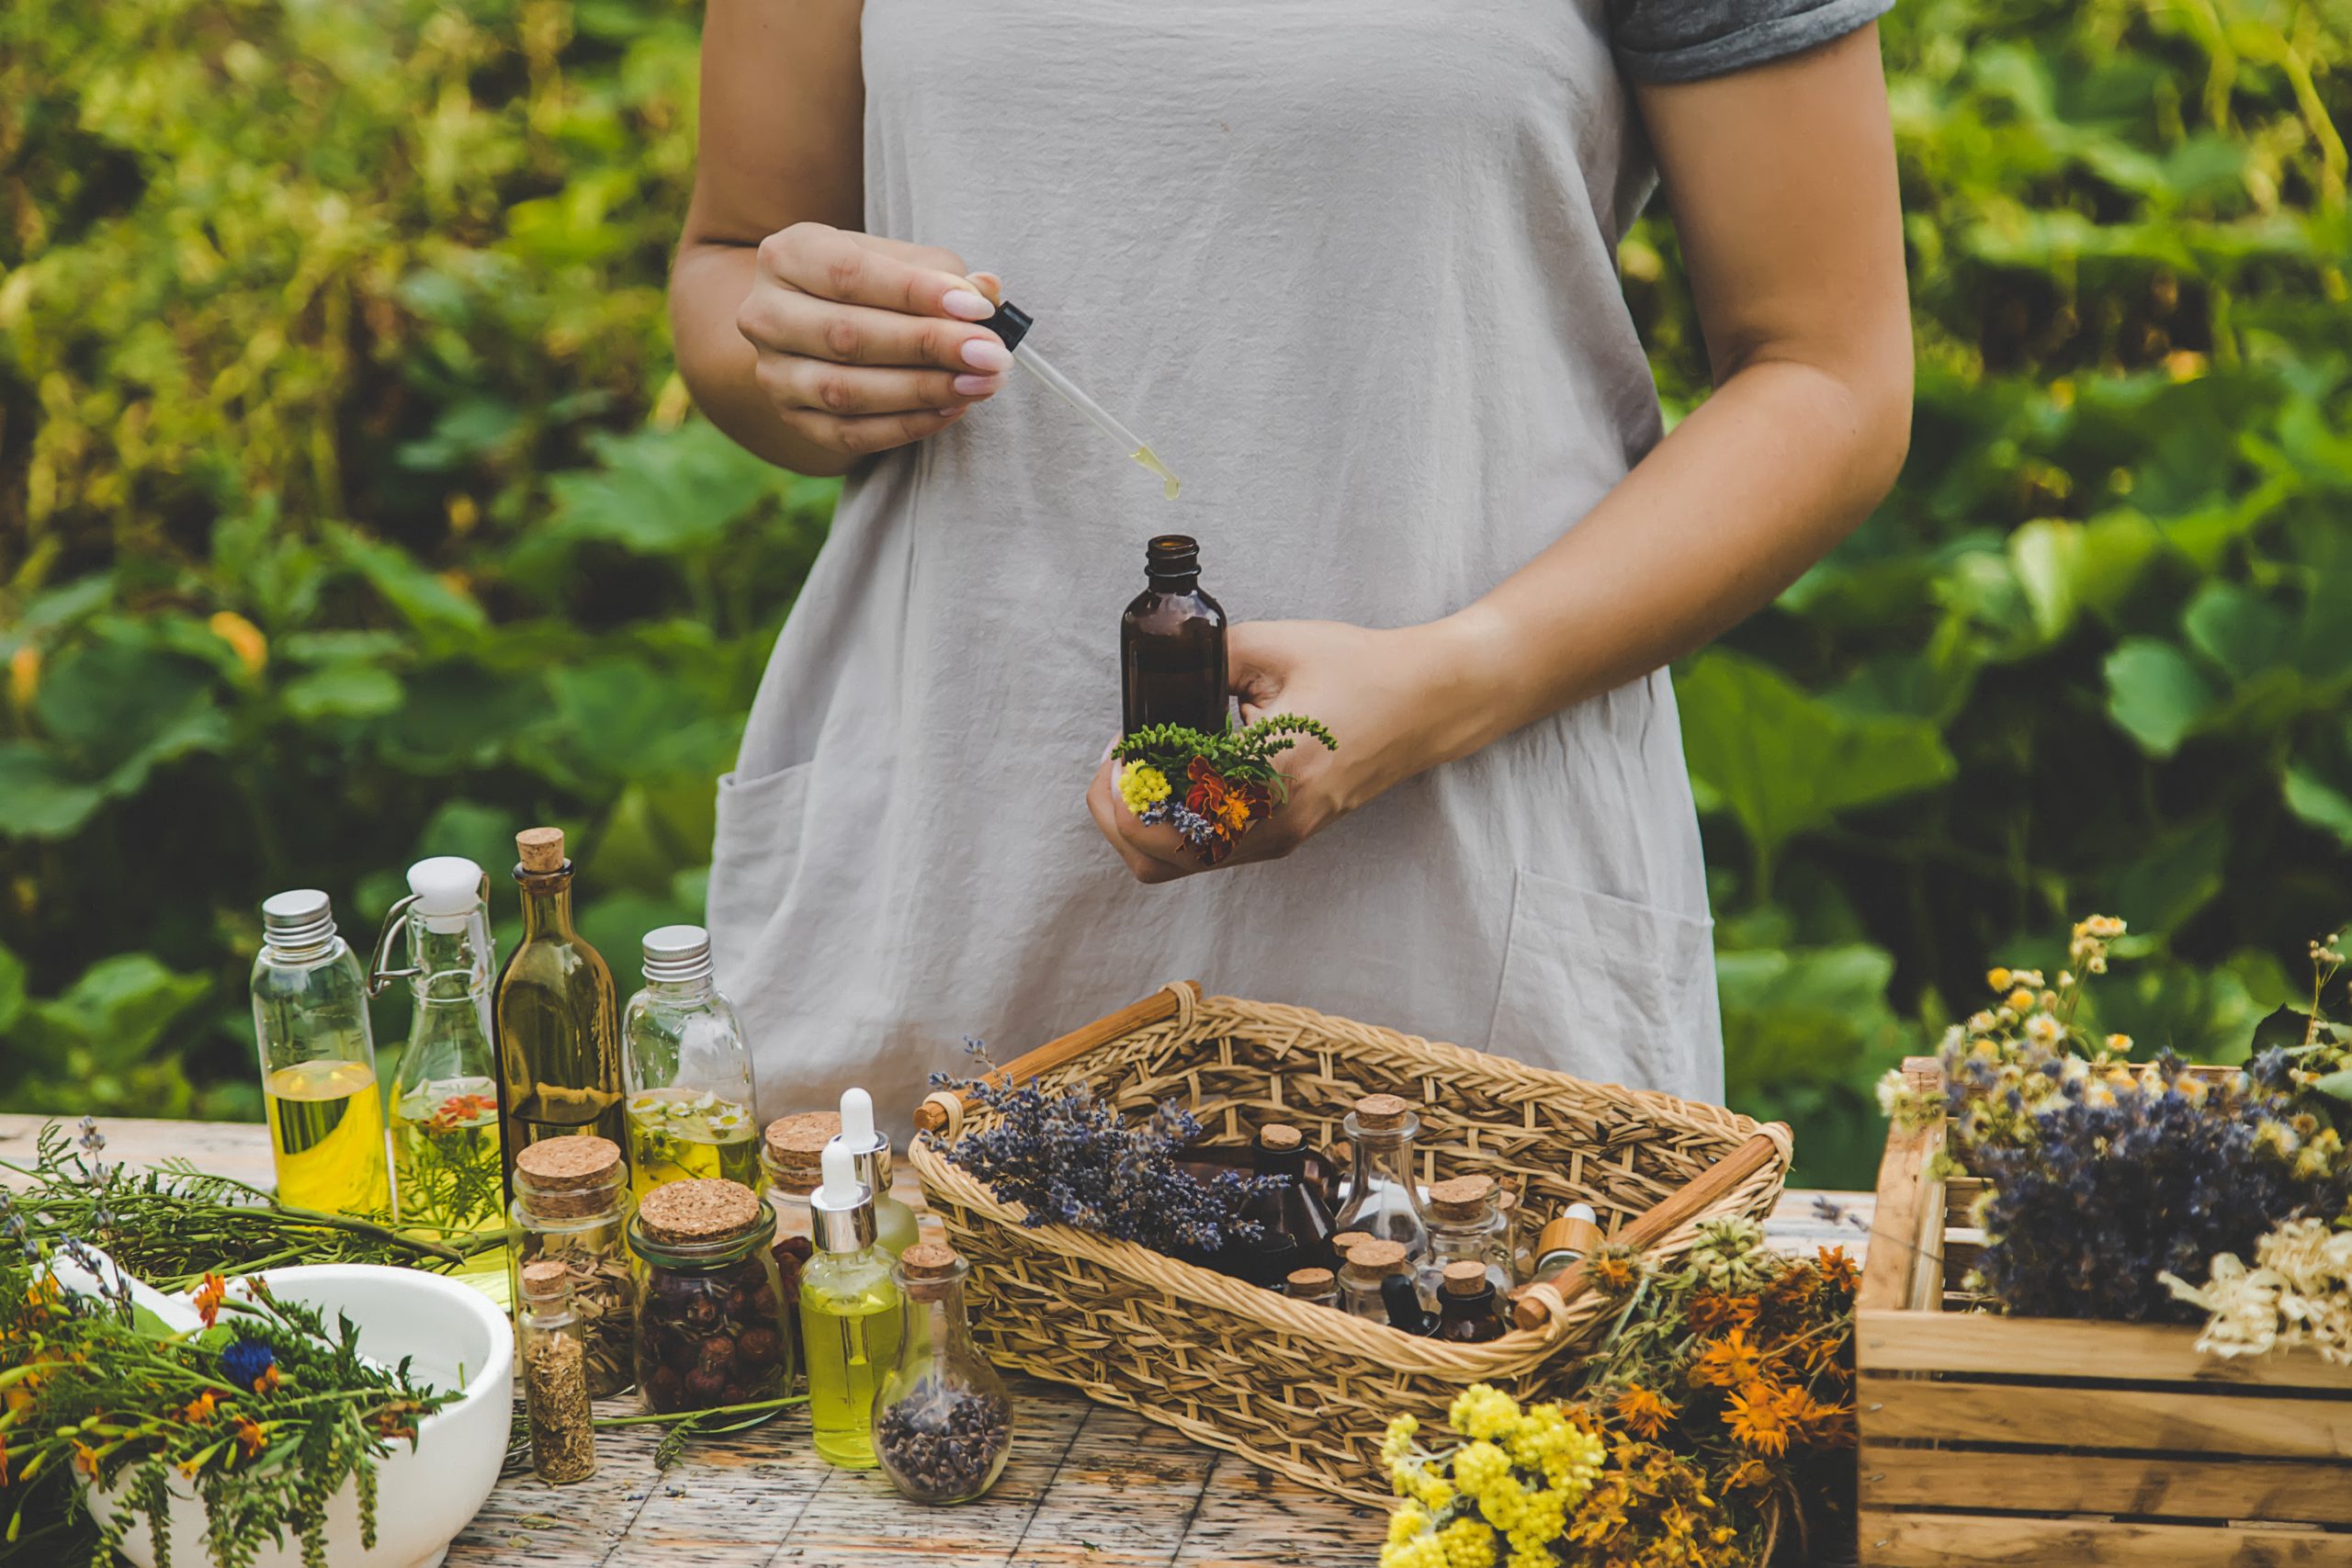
(1349, 264)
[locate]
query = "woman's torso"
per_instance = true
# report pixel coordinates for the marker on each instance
(1350, 266)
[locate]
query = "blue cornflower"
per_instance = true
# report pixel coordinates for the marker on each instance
(247, 1361)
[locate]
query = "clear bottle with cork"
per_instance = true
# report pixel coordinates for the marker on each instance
(687, 1070)
(553, 1351)
(571, 1208)
(1295, 1228)
(554, 1010)
(792, 1151)
(318, 1061)
(710, 1305)
(1171, 644)
(869, 1151)
(1511, 1235)
(1361, 1276)
(1315, 1287)
(1384, 1196)
(1461, 1213)
(848, 1316)
(1467, 1304)
(447, 1175)
(943, 1421)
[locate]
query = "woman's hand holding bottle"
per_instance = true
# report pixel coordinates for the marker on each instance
(866, 343)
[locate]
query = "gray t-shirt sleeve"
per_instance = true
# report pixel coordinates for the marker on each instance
(1682, 41)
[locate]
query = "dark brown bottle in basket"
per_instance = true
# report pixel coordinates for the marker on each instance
(1295, 1227)
(1467, 1312)
(1171, 644)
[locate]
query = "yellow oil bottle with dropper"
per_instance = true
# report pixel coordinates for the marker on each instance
(1012, 323)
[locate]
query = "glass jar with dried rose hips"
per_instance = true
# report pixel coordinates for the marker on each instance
(709, 1304)
(571, 1207)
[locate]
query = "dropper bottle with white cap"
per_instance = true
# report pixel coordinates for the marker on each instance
(869, 1150)
(445, 1143)
(849, 1314)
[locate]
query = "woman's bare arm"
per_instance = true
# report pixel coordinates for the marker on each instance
(808, 342)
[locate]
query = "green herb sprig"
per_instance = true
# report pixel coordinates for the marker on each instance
(1238, 756)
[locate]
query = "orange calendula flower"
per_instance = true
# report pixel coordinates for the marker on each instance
(208, 1297)
(250, 1437)
(1613, 1271)
(1728, 1361)
(269, 1380)
(1712, 1310)
(1644, 1411)
(1749, 1475)
(1838, 1270)
(201, 1409)
(85, 1461)
(1757, 1417)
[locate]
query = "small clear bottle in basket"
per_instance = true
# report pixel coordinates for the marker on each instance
(943, 1421)
(1383, 1199)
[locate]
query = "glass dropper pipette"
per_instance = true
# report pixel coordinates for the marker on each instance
(1012, 323)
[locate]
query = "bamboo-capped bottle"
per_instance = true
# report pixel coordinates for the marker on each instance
(556, 1015)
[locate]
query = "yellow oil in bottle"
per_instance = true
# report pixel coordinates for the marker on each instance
(849, 1330)
(682, 1134)
(1150, 459)
(326, 1136)
(446, 1171)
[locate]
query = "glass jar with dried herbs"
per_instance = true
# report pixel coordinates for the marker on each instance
(710, 1305)
(555, 1377)
(943, 1421)
(571, 1207)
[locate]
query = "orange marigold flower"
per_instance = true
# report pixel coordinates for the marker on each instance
(1728, 1361)
(269, 1380)
(1612, 1271)
(85, 1461)
(1836, 1269)
(1712, 1310)
(250, 1437)
(1758, 1418)
(208, 1297)
(1645, 1411)
(201, 1409)
(1747, 1474)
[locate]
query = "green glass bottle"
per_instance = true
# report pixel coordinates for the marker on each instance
(555, 1012)
(848, 1316)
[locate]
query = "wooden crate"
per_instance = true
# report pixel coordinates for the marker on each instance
(2028, 1441)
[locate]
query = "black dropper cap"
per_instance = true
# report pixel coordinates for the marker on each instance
(1402, 1298)
(1011, 323)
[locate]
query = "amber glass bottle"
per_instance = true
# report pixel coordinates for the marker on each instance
(1171, 643)
(559, 1040)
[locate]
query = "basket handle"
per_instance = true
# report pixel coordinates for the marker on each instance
(1546, 1301)
(942, 1111)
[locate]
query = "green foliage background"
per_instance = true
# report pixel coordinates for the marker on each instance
(350, 511)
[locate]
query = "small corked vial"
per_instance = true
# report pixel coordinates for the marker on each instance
(572, 1209)
(1280, 1136)
(1463, 1198)
(698, 1212)
(1367, 1264)
(1467, 1305)
(1464, 1280)
(942, 1418)
(1315, 1287)
(1511, 1237)
(570, 1178)
(555, 1377)
(1381, 1112)
(1462, 1226)
(541, 850)
(1347, 1242)
(792, 1152)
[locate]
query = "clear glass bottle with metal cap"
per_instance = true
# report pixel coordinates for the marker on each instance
(1384, 1197)
(1461, 1213)
(571, 1207)
(318, 1061)
(552, 1356)
(943, 1421)
(848, 1316)
(894, 1222)
(689, 1071)
(709, 1308)
(446, 1173)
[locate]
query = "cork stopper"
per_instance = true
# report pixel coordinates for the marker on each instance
(570, 1176)
(1377, 1257)
(1381, 1112)
(930, 1269)
(547, 1280)
(540, 849)
(1466, 1278)
(795, 1147)
(1280, 1137)
(693, 1213)
(1347, 1242)
(1310, 1281)
(1507, 1205)
(1462, 1199)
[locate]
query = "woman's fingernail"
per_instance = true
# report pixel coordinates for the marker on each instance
(976, 386)
(956, 412)
(968, 303)
(986, 354)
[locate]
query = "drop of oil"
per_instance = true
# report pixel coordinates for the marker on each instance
(1150, 459)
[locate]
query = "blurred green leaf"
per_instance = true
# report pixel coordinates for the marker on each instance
(114, 1013)
(2157, 694)
(342, 690)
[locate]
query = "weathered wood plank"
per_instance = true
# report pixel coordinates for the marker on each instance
(1950, 1541)
(1908, 1201)
(2071, 1416)
(2208, 1487)
(2042, 1346)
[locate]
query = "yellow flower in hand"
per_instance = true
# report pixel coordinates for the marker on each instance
(1142, 786)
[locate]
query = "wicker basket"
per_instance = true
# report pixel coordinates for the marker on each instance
(1300, 1389)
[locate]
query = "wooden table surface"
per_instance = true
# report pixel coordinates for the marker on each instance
(1086, 1486)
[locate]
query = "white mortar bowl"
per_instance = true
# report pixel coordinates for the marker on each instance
(426, 1496)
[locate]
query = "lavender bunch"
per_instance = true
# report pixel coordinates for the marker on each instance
(2131, 1176)
(1069, 1159)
